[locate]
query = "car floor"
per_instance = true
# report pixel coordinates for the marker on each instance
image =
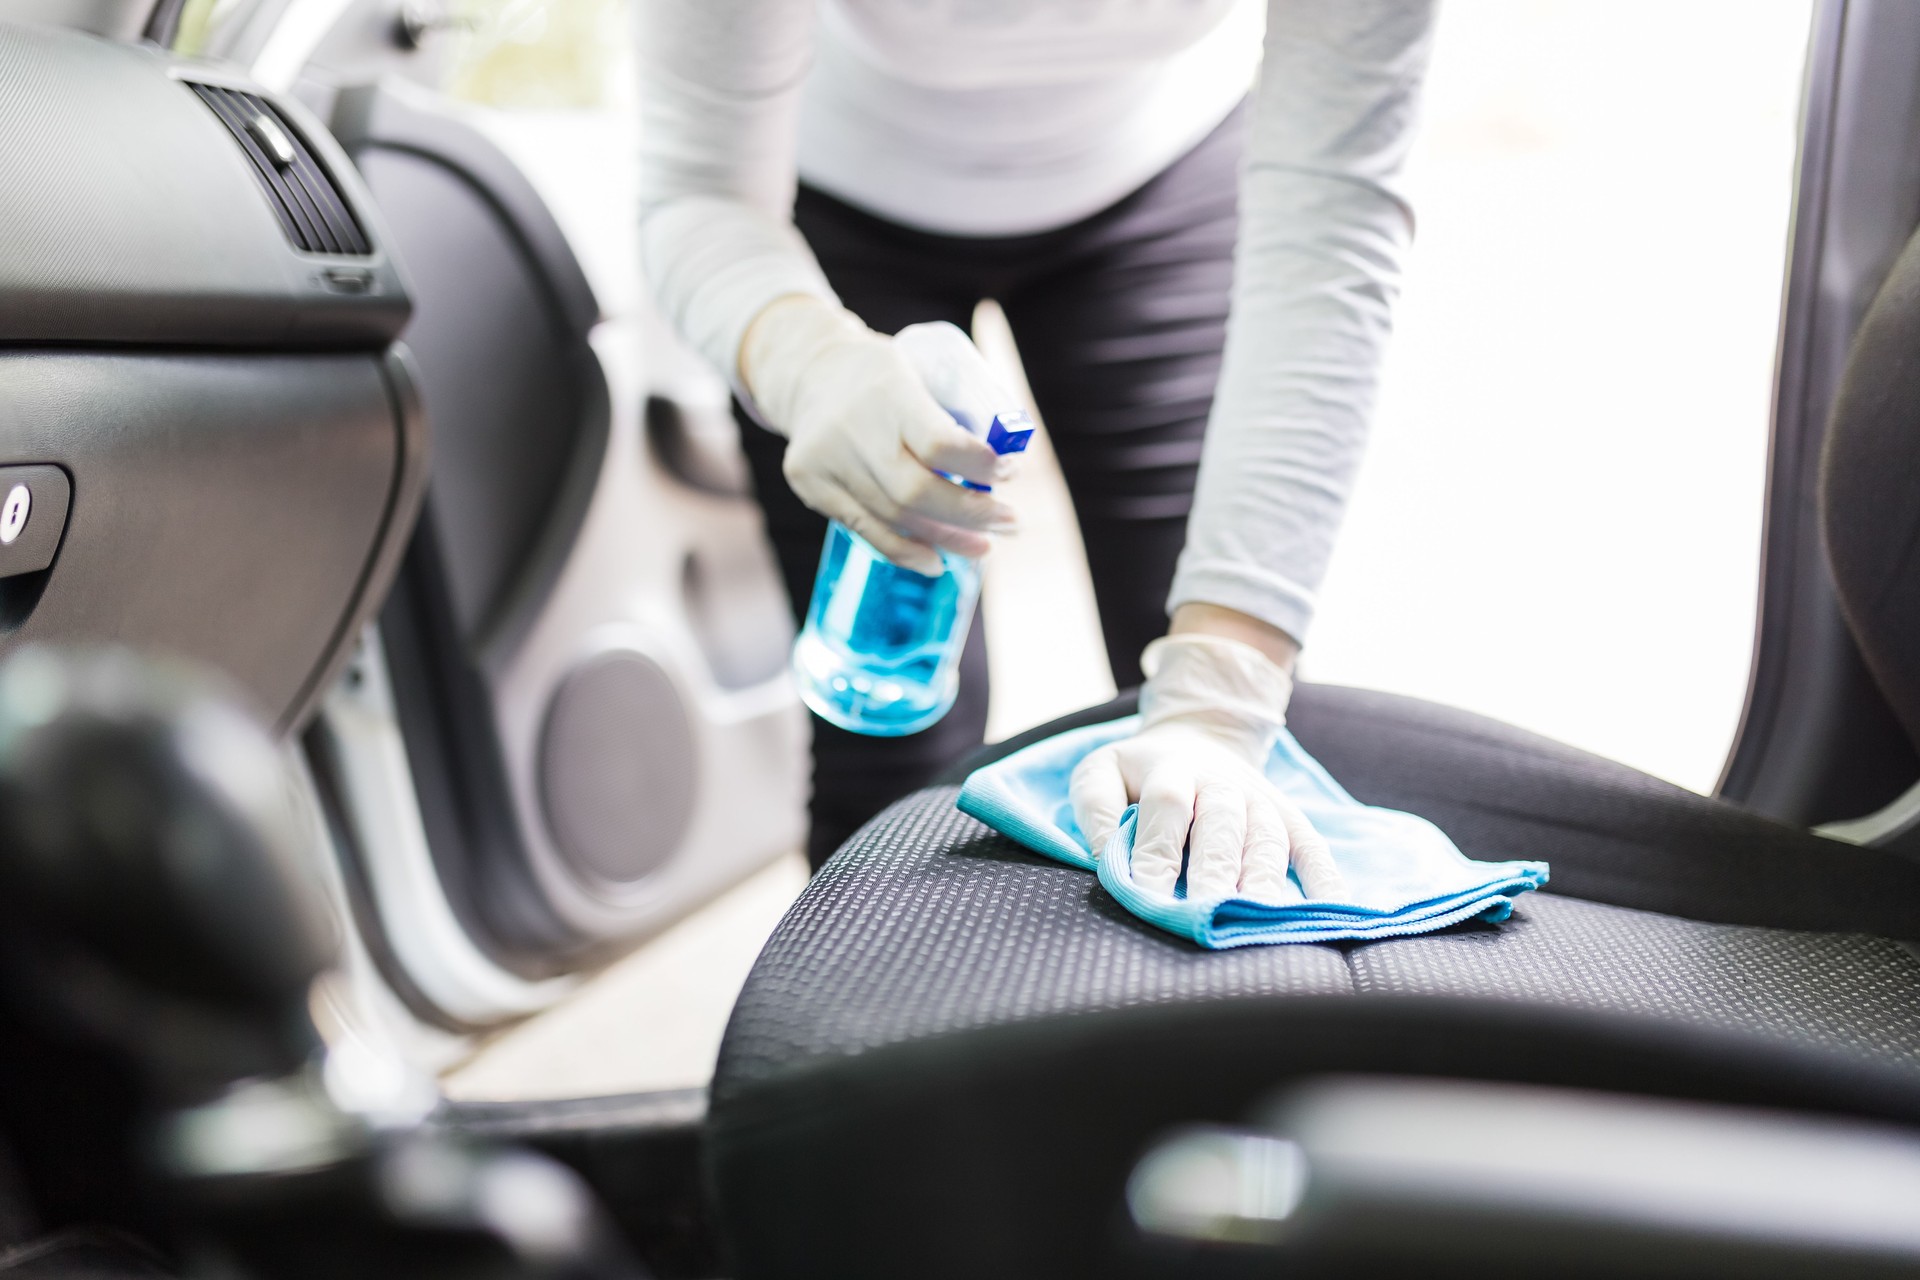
(651, 1021)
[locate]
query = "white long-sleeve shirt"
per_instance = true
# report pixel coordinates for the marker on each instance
(1000, 117)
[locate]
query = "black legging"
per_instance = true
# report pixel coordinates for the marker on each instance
(1120, 321)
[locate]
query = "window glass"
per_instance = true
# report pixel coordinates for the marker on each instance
(1558, 523)
(539, 54)
(202, 21)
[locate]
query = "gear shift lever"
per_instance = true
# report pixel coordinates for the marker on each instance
(152, 852)
(152, 891)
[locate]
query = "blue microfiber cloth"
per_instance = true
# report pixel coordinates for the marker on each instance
(1403, 874)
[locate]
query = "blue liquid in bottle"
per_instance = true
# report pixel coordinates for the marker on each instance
(879, 653)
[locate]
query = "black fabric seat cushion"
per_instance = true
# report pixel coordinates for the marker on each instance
(1613, 834)
(951, 1051)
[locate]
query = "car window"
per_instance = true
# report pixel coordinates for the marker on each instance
(1558, 521)
(539, 54)
(203, 21)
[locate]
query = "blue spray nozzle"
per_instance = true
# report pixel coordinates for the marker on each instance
(1009, 432)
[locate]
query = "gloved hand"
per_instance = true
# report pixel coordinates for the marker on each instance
(865, 436)
(1209, 711)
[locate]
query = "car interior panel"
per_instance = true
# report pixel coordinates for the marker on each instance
(1818, 741)
(244, 447)
(568, 751)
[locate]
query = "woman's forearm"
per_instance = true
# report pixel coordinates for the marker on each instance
(719, 95)
(1323, 229)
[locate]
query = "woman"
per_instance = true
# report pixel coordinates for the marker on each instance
(1199, 286)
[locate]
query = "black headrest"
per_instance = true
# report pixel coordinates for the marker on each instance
(1870, 489)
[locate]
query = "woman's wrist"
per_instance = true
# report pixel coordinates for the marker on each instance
(1276, 645)
(795, 350)
(789, 318)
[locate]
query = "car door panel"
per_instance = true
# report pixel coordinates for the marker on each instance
(584, 656)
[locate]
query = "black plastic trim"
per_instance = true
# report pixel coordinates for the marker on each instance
(132, 218)
(657, 1111)
(520, 605)
(241, 510)
(376, 116)
(304, 196)
(1817, 741)
(163, 23)
(412, 446)
(371, 117)
(640, 1152)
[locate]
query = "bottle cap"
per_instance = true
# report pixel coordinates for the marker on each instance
(1010, 431)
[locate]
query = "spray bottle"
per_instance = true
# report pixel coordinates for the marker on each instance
(880, 650)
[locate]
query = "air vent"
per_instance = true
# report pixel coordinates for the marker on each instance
(311, 210)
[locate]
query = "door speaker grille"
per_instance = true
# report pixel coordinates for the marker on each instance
(303, 194)
(617, 768)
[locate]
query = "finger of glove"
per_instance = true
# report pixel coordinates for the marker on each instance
(1263, 869)
(917, 491)
(1166, 815)
(1311, 857)
(959, 378)
(836, 503)
(916, 530)
(1219, 836)
(937, 441)
(1098, 793)
(966, 542)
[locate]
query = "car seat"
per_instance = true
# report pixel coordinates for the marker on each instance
(952, 1051)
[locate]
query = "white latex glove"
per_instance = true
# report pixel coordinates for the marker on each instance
(866, 435)
(1209, 712)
